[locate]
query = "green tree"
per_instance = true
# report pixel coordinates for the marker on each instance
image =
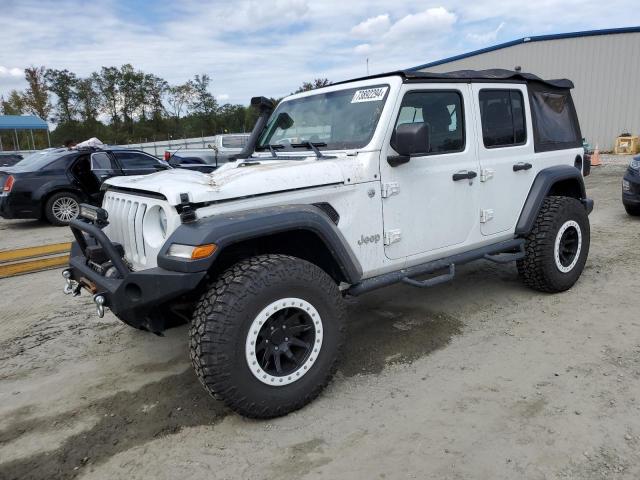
(62, 83)
(154, 90)
(316, 83)
(179, 97)
(203, 101)
(131, 93)
(107, 81)
(14, 104)
(36, 96)
(87, 99)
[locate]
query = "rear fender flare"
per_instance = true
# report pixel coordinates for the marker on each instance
(566, 175)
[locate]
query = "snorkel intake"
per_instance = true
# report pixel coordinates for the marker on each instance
(265, 106)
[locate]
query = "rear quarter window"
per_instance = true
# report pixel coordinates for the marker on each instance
(555, 120)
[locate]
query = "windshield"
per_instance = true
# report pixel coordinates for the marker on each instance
(339, 120)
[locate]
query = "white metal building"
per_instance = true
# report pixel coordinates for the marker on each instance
(604, 65)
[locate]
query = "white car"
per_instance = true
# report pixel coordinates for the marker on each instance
(390, 177)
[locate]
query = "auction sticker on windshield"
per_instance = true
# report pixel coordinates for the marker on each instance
(369, 95)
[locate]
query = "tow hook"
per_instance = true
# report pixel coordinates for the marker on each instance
(70, 286)
(99, 301)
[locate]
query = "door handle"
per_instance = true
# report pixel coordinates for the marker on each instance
(521, 166)
(464, 175)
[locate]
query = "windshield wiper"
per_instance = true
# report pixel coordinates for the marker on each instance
(312, 145)
(272, 148)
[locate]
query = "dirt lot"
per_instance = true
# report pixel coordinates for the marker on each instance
(481, 378)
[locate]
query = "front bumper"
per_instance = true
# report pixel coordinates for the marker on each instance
(631, 196)
(137, 298)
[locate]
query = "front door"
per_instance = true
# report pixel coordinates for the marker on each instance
(431, 202)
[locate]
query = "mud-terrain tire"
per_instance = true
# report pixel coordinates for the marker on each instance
(242, 319)
(61, 208)
(633, 210)
(557, 247)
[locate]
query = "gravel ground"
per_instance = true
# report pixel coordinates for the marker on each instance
(481, 378)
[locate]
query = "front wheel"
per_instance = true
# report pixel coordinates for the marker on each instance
(267, 335)
(557, 247)
(633, 210)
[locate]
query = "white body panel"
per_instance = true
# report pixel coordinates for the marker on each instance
(435, 216)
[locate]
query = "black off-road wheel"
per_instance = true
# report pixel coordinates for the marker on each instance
(266, 336)
(557, 247)
(633, 210)
(61, 208)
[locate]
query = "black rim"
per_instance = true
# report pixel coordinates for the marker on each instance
(285, 341)
(568, 247)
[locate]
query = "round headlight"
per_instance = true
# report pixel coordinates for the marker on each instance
(162, 217)
(154, 227)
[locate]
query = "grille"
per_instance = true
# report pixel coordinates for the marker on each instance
(126, 217)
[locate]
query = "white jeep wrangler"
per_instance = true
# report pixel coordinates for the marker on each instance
(339, 191)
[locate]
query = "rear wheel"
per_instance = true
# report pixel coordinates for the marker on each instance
(267, 335)
(61, 208)
(557, 247)
(633, 210)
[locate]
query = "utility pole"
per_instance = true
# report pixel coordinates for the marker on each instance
(367, 66)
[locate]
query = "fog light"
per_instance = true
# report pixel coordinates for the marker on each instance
(94, 214)
(626, 186)
(191, 252)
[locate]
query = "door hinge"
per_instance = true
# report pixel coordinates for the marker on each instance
(389, 189)
(486, 174)
(392, 236)
(486, 215)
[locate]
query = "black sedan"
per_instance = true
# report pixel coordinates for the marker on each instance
(52, 184)
(631, 188)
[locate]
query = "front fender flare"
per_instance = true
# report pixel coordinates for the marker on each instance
(229, 228)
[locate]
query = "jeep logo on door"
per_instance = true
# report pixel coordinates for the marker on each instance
(370, 239)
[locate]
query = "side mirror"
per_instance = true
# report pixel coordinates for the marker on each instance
(412, 139)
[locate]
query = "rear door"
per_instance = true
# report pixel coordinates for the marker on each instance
(506, 154)
(138, 163)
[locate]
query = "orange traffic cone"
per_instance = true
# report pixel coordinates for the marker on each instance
(595, 158)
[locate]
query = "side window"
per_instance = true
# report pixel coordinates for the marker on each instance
(554, 117)
(59, 164)
(503, 118)
(102, 161)
(442, 112)
(136, 160)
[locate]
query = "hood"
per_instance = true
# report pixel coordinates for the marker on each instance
(234, 180)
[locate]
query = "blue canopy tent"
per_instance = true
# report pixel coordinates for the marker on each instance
(18, 123)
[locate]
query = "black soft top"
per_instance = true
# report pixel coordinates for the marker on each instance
(491, 75)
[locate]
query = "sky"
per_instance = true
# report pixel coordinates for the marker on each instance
(270, 47)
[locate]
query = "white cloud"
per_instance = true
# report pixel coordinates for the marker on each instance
(421, 24)
(372, 27)
(11, 72)
(223, 97)
(362, 49)
(486, 37)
